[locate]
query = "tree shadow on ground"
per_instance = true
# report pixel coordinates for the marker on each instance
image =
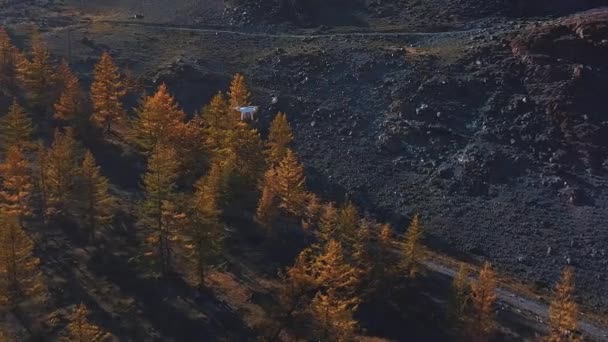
(163, 301)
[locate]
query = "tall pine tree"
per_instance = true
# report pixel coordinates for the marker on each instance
(328, 222)
(412, 247)
(107, 90)
(563, 311)
(239, 95)
(483, 297)
(279, 138)
(16, 184)
(336, 298)
(60, 173)
(16, 127)
(80, 329)
(244, 147)
(332, 271)
(19, 273)
(206, 232)
(159, 120)
(217, 121)
(460, 294)
(71, 104)
(158, 213)
(9, 61)
(334, 316)
(38, 75)
(290, 184)
(267, 208)
(95, 204)
(347, 226)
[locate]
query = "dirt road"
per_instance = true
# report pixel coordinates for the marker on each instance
(596, 332)
(221, 30)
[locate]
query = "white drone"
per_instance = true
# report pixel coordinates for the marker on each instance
(247, 112)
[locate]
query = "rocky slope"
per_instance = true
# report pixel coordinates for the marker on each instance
(495, 135)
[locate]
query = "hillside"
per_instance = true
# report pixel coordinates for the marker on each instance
(484, 117)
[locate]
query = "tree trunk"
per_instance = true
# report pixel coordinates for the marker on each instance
(201, 267)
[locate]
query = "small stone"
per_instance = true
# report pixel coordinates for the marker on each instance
(521, 258)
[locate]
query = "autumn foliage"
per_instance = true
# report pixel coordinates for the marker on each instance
(96, 205)
(16, 191)
(70, 106)
(239, 94)
(279, 138)
(9, 62)
(59, 168)
(107, 90)
(80, 329)
(483, 297)
(460, 294)
(37, 75)
(19, 273)
(412, 247)
(158, 213)
(267, 209)
(16, 127)
(563, 311)
(205, 232)
(159, 120)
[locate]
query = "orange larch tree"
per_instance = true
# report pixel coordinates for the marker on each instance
(159, 120)
(336, 298)
(334, 316)
(16, 128)
(328, 222)
(80, 329)
(267, 206)
(347, 226)
(297, 285)
(70, 106)
(217, 121)
(16, 184)
(107, 90)
(206, 233)
(158, 215)
(239, 94)
(20, 276)
(245, 148)
(9, 61)
(95, 204)
(60, 173)
(563, 311)
(38, 76)
(483, 297)
(312, 213)
(279, 138)
(460, 296)
(291, 185)
(413, 250)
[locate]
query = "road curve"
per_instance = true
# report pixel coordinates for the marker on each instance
(598, 333)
